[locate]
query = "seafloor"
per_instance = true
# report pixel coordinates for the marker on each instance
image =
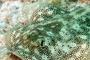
(18, 13)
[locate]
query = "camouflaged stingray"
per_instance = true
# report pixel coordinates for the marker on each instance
(51, 34)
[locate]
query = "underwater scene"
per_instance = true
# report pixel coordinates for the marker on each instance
(44, 30)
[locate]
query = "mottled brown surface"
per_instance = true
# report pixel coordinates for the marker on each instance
(12, 56)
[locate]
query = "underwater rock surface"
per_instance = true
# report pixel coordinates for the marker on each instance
(52, 34)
